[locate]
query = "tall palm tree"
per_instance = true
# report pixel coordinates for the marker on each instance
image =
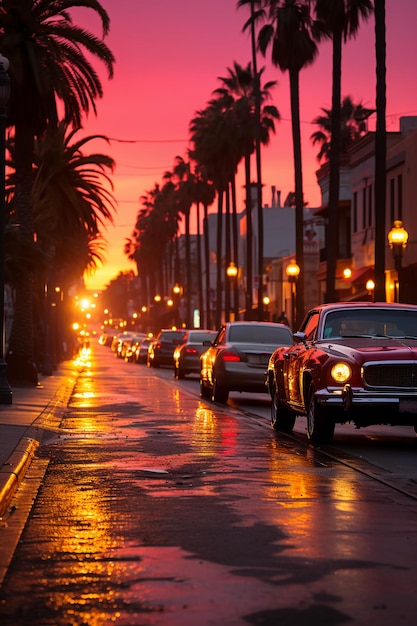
(240, 92)
(380, 151)
(288, 34)
(47, 63)
(69, 242)
(338, 20)
(214, 141)
(353, 125)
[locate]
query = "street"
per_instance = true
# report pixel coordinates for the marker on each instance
(153, 507)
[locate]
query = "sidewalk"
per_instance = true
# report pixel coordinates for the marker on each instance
(34, 412)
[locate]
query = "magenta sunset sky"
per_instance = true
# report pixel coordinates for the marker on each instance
(169, 56)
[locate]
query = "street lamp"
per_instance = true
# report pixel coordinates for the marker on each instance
(5, 390)
(397, 239)
(292, 270)
(232, 272)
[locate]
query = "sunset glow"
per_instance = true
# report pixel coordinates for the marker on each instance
(168, 60)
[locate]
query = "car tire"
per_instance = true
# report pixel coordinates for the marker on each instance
(204, 391)
(180, 373)
(320, 427)
(220, 393)
(282, 419)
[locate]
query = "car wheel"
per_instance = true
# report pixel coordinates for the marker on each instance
(180, 373)
(320, 427)
(175, 371)
(204, 391)
(282, 419)
(220, 393)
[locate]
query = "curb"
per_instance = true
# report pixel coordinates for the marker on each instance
(18, 461)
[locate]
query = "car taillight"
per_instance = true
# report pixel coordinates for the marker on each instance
(190, 351)
(229, 356)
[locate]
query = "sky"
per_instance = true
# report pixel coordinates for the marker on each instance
(169, 57)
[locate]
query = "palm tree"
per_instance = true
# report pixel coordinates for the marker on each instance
(380, 151)
(289, 35)
(353, 125)
(337, 20)
(68, 242)
(45, 50)
(215, 147)
(240, 93)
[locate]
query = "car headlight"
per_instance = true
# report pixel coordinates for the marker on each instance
(341, 372)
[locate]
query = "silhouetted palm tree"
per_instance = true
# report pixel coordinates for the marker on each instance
(338, 20)
(47, 63)
(288, 34)
(353, 125)
(239, 93)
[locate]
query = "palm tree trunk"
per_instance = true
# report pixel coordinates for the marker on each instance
(227, 255)
(257, 94)
(235, 249)
(249, 240)
(188, 270)
(203, 320)
(299, 195)
(332, 234)
(380, 152)
(209, 321)
(20, 357)
(219, 273)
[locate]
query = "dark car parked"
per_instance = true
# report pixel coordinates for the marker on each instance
(161, 349)
(238, 358)
(187, 355)
(351, 362)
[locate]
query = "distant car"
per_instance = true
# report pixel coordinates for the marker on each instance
(238, 358)
(351, 362)
(187, 355)
(117, 342)
(161, 349)
(129, 346)
(141, 354)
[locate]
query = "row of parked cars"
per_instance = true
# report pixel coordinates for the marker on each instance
(349, 362)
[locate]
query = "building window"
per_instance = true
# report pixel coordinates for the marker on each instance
(400, 197)
(355, 212)
(370, 204)
(364, 208)
(392, 199)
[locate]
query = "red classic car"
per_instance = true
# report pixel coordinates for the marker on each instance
(351, 362)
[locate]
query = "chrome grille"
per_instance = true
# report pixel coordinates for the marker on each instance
(391, 375)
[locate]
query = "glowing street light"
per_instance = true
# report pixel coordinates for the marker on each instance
(293, 270)
(397, 239)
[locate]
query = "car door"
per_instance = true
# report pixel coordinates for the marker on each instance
(297, 357)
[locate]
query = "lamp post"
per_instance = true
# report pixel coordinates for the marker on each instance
(397, 239)
(292, 270)
(232, 272)
(5, 390)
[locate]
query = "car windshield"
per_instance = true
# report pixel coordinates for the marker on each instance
(370, 322)
(172, 335)
(260, 334)
(199, 337)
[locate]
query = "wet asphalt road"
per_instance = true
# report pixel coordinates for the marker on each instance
(156, 508)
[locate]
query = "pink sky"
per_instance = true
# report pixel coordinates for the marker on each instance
(169, 56)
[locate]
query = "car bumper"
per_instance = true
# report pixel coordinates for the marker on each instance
(353, 398)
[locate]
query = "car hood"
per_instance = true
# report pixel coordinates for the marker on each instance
(372, 349)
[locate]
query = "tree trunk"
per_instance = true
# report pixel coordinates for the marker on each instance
(299, 196)
(249, 241)
(332, 233)
(219, 281)
(20, 357)
(380, 152)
